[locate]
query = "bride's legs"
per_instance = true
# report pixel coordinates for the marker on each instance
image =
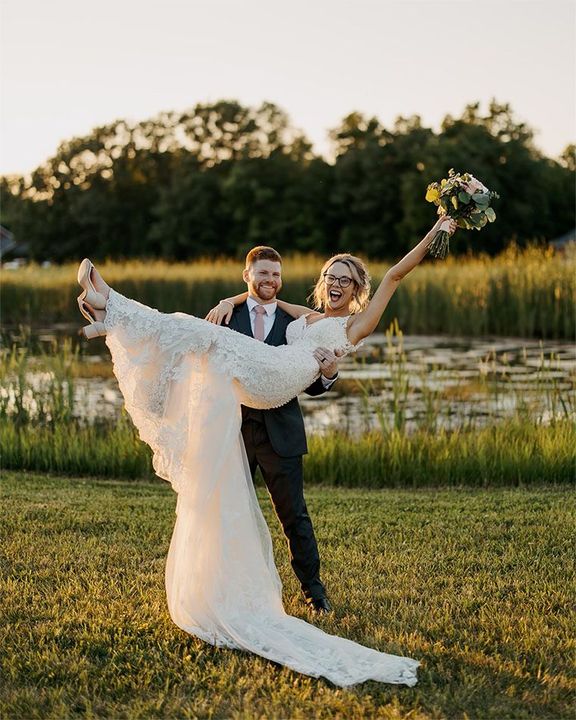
(97, 313)
(99, 284)
(95, 291)
(130, 321)
(93, 299)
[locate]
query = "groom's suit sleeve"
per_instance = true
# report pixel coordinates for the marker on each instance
(317, 388)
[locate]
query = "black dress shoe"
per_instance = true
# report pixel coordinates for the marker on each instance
(319, 605)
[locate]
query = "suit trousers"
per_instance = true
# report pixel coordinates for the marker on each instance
(284, 480)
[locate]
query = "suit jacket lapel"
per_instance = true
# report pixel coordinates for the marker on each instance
(277, 335)
(242, 320)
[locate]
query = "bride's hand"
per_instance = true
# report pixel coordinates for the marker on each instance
(328, 361)
(221, 313)
(450, 227)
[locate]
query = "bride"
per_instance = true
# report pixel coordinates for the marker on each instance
(183, 380)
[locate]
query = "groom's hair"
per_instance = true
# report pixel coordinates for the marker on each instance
(262, 252)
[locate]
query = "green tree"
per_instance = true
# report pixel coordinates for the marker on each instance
(187, 216)
(223, 177)
(568, 157)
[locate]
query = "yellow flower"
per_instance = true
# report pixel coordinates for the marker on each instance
(432, 194)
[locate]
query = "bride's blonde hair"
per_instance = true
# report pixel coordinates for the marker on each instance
(361, 278)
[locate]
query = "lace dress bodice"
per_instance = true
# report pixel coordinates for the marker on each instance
(329, 332)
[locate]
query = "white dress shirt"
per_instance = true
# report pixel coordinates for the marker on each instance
(269, 317)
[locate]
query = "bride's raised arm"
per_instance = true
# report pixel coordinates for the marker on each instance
(364, 323)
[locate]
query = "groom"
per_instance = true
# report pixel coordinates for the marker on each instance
(275, 439)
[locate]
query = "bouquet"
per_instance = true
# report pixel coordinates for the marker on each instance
(463, 198)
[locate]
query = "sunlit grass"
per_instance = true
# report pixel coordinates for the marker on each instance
(525, 294)
(476, 584)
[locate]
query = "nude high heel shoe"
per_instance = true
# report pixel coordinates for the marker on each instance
(90, 294)
(96, 327)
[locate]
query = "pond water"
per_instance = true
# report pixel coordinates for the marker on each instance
(437, 382)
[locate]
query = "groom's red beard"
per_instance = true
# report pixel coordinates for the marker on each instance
(266, 291)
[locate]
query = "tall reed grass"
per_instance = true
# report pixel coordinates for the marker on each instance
(524, 294)
(415, 400)
(100, 450)
(38, 389)
(512, 453)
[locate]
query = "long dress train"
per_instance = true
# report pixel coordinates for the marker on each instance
(183, 380)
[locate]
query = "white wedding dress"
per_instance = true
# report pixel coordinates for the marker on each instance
(183, 380)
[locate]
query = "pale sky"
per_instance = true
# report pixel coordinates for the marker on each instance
(68, 66)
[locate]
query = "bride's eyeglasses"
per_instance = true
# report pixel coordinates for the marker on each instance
(343, 281)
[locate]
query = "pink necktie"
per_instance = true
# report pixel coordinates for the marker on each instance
(259, 322)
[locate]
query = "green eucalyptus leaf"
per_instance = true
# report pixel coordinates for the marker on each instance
(490, 214)
(464, 197)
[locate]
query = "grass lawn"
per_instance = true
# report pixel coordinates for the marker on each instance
(475, 583)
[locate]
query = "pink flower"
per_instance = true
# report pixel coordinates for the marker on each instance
(474, 186)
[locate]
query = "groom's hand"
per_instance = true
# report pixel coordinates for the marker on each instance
(328, 361)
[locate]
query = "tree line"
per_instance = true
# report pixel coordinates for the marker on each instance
(224, 177)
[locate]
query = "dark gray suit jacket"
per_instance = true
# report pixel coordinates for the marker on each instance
(285, 425)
